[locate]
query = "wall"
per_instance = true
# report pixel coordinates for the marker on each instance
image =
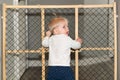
(0, 39)
(95, 1)
(118, 11)
(55, 2)
(118, 28)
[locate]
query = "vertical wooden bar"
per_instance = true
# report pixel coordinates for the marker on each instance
(115, 43)
(4, 44)
(43, 51)
(76, 36)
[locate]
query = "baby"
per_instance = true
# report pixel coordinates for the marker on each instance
(60, 44)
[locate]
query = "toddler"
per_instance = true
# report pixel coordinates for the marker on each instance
(60, 44)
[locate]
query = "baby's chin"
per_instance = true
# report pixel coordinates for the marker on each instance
(67, 33)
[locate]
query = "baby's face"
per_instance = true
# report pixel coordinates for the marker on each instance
(63, 28)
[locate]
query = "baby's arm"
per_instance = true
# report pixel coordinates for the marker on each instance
(79, 40)
(45, 41)
(76, 44)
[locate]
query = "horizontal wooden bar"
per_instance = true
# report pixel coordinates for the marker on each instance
(60, 6)
(46, 50)
(85, 49)
(96, 6)
(23, 51)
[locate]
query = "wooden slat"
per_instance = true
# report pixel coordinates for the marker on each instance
(46, 50)
(43, 51)
(4, 43)
(86, 49)
(115, 43)
(76, 52)
(59, 6)
(24, 51)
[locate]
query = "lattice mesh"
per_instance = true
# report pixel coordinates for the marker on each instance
(24, 36)
(23, 28)
(23, 33)
(96, 29)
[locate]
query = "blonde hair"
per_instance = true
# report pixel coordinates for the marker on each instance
(55, 22)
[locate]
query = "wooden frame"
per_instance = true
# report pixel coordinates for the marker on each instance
(43, 51)
(42, 7)
(59, 6)
(4, 43)
(76, 36)
(115, 42)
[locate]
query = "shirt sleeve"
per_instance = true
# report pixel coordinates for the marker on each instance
(74, 44)
(45, 42)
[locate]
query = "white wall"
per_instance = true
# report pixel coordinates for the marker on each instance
(118, 28)
(98, 1)
(56, 2)
(0, 41)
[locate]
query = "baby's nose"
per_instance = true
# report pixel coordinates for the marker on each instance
(67, 29)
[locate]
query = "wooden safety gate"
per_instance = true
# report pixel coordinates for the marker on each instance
(24, 27)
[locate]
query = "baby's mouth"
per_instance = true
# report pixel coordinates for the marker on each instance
(67, 33)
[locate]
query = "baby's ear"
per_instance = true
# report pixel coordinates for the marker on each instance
(55, 31)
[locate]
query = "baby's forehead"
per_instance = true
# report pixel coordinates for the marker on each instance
(62, 23)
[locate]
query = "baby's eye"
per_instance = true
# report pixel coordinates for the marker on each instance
(63, 26)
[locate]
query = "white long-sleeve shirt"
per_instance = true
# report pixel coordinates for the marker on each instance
(59, 49)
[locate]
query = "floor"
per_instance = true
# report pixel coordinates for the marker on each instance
(98, 71)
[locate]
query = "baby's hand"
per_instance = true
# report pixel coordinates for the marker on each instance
(48, 33)
(79, 40)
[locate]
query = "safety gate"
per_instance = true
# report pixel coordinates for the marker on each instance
(24, 27)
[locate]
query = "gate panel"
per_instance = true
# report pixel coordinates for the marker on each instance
(24, 58)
